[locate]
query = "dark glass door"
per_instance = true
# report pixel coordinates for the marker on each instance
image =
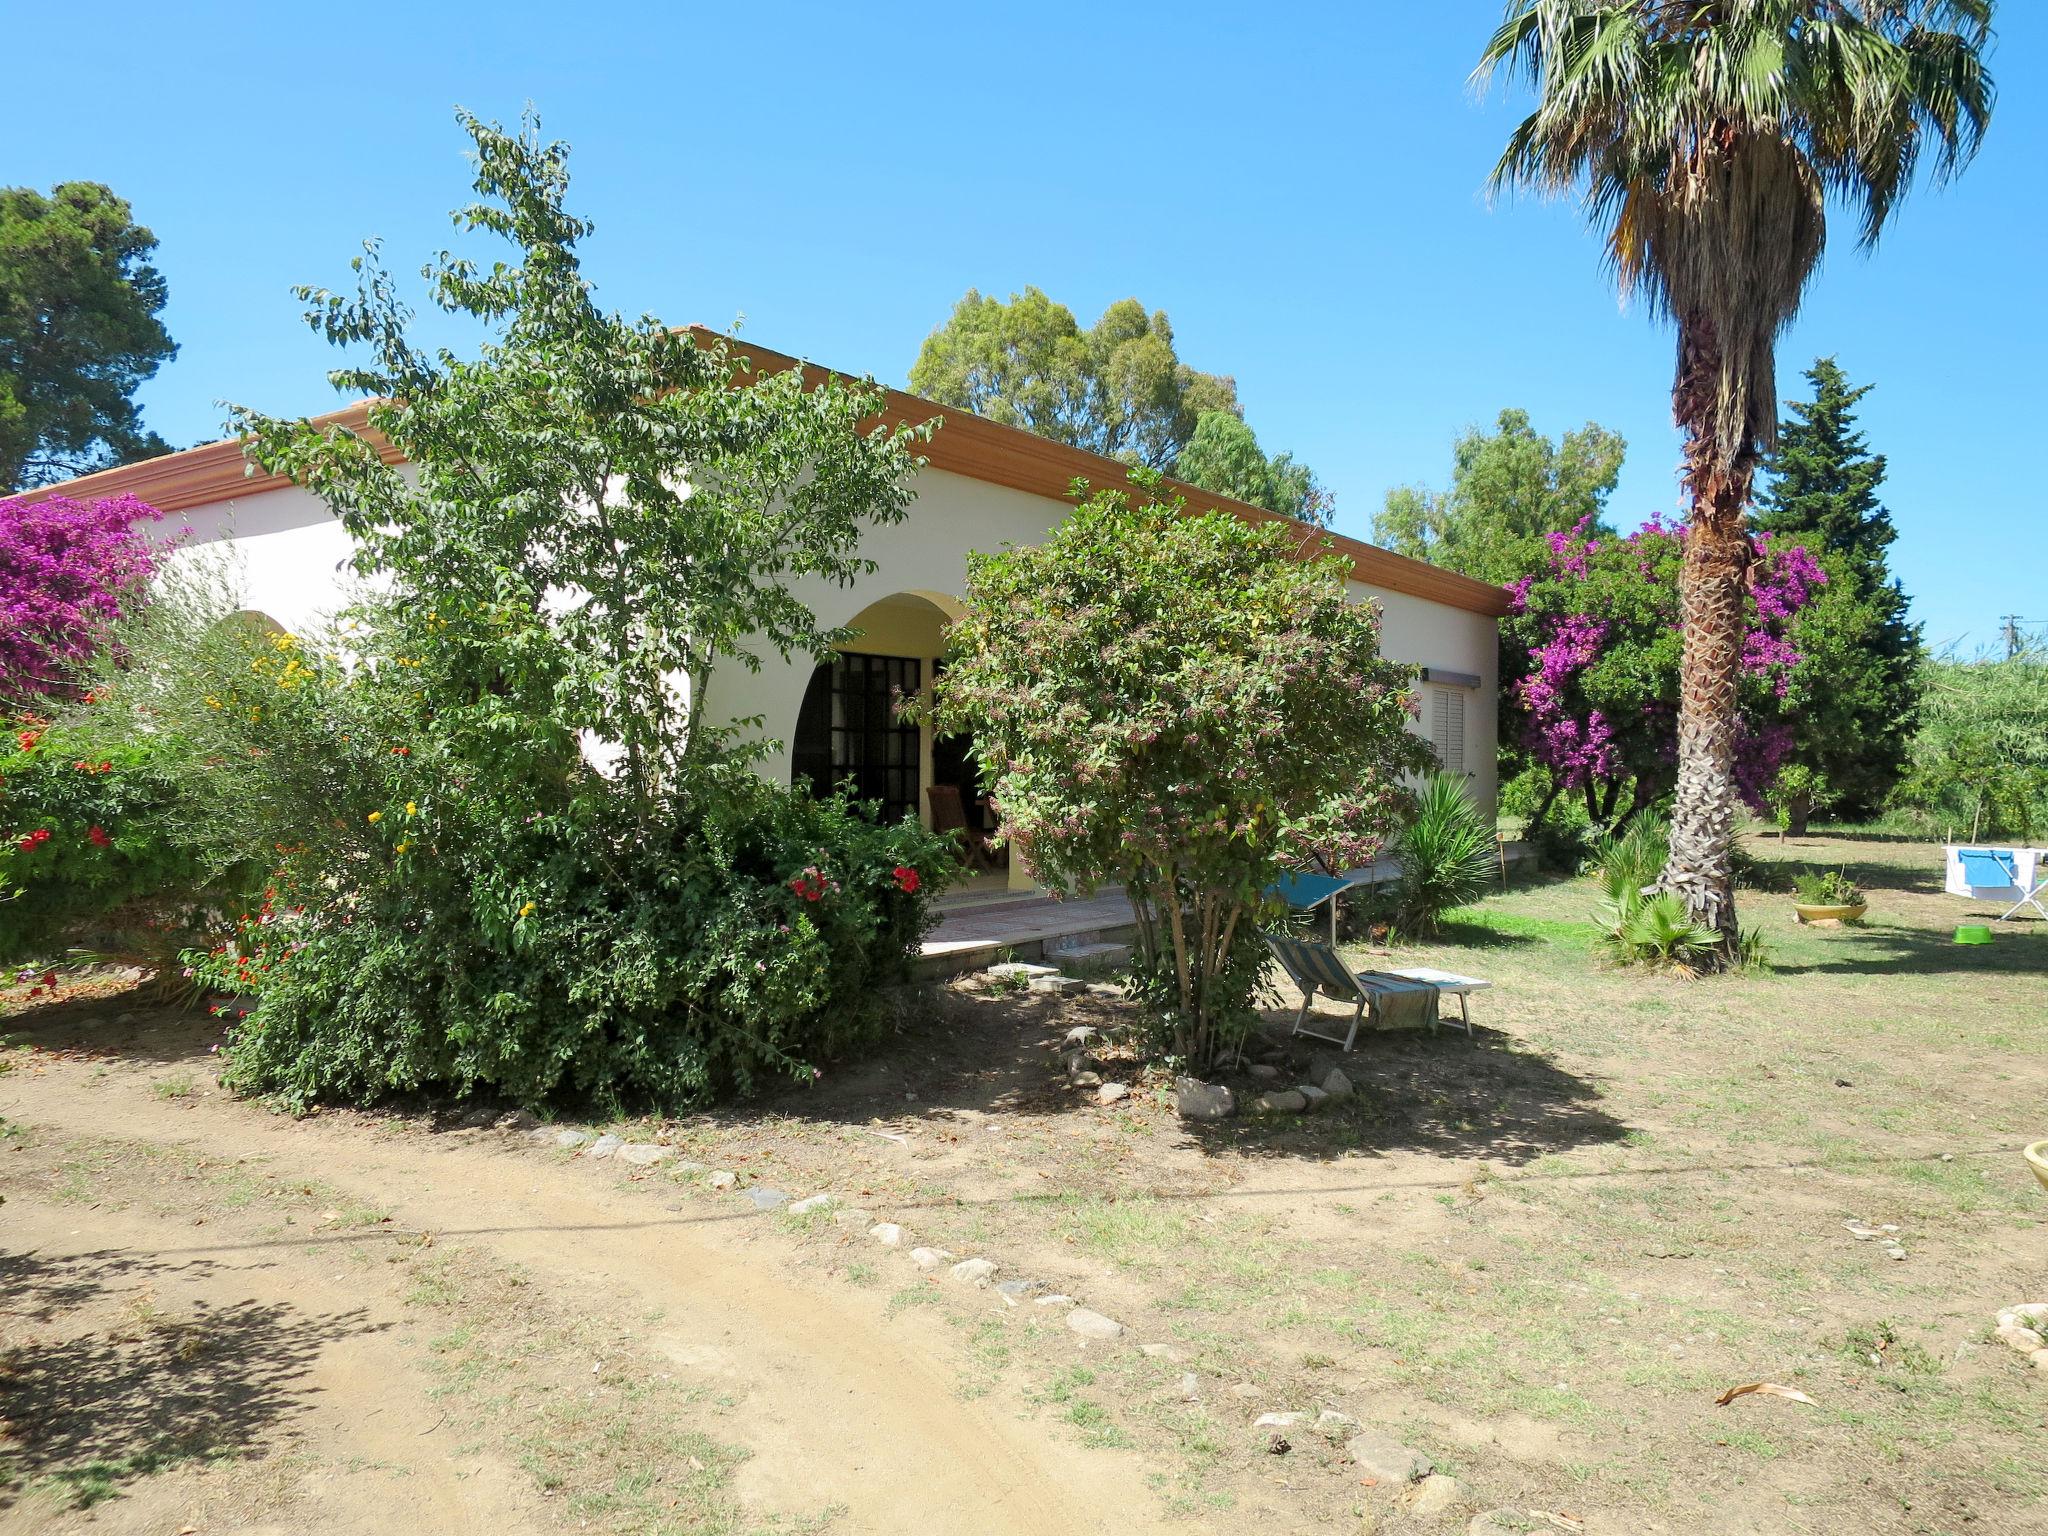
(848, 731)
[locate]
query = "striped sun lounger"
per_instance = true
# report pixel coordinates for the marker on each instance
(1390, 997)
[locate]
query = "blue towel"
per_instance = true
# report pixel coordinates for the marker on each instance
(1989, 869)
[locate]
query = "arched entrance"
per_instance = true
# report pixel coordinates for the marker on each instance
(849, 728)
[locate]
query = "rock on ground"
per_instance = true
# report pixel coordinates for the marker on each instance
(1021, 970)
(974, 1271)
(929, 1258)
(1111, 1093)
(569, 1138)
(1263, 1072)
(766, 1199)
(644, 1154)
(1093, 1325)
(723, 1180)
(1287, 1101)
(887, 1233)
(1279, 1420)
(1498, 1522)
(1386, 1458)
(1433, 1495)
(811, 1203)
(1337, 1085)
(1311, 1094)
(1197, 1100)
(606, 1145)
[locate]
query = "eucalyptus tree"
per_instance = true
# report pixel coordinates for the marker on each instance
(1709, 140)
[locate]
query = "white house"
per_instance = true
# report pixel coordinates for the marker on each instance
(986, 486)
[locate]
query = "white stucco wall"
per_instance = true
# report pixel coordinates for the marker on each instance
(290, 552)
(292, 555)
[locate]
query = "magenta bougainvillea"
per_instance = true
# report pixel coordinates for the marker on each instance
(67, 570)
(1591, 653)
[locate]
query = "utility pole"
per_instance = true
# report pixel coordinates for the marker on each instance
(2012, 636)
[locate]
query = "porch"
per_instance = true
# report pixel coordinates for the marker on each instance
(981, 924)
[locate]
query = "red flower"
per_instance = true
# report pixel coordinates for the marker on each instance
(28, 741)
(907, 880)
(99, 838)
(34, 840)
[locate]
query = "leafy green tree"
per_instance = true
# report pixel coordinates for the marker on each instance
(1173, 705)
(1224, 456)
(1117, 388)
(1979, 765)
(1706, 142)
(1853, 712)
(78, 333)
(525, 848)
(1509, 487)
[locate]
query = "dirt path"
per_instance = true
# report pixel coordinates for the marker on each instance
(842, 1406)
(282, 1333)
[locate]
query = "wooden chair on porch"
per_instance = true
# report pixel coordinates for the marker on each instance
(949, 815)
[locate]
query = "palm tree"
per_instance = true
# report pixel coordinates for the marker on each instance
(1708, 139)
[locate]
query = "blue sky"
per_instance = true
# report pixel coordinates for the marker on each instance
(1301, 189)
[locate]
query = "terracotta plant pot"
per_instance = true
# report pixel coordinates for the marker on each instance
(2037, 1159)
(1845, 914)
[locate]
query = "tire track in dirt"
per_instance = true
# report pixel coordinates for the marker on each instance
(842, 1404)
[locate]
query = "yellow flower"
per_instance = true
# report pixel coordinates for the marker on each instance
(403, 845)
(212, 702)
(375, 817)
(529, 909)
(412, 808)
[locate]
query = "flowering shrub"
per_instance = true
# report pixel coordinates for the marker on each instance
(68, 569)
(1176, 704)
(89, 852)
(551, 957)
(1592, 641)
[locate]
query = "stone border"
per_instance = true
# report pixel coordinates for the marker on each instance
(1423, 1491)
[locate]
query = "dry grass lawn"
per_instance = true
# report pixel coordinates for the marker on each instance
(1538, 1257)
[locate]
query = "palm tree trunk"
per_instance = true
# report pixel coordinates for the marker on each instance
(1712, 591)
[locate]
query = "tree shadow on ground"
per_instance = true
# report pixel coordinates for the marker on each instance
(1449, 1094)
(1870, 948)
(117, 1026)
(84, 1413)
(1474, 934)
(980, 1051)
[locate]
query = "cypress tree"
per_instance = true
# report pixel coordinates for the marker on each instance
(1853, 719)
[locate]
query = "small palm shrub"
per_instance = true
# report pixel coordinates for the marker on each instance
(1656, 931)
(1448, 854)
(1640, 926)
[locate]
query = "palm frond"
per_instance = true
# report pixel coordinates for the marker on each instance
(1707, 140)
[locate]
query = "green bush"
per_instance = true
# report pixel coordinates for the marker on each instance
(1979, 764)
(1826, 888)
(92, 857)
(754, 942)
(1448, 855)
(1180, 706)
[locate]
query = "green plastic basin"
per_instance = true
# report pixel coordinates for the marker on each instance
(1973, 933)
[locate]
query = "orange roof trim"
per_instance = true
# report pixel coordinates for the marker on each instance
(966, 444)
